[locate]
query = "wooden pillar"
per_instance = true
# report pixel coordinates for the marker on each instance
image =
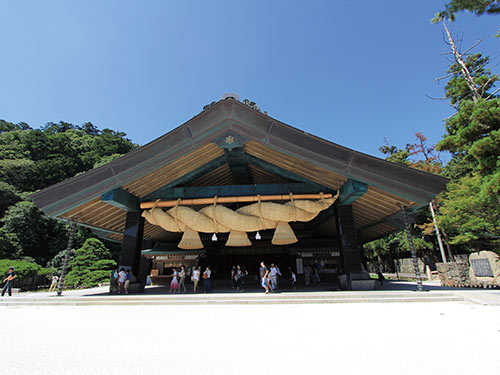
(349, 248)
(130, 255)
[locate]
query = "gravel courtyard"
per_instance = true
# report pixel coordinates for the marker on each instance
(396, 338)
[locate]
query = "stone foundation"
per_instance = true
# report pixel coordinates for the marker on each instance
(454, 274)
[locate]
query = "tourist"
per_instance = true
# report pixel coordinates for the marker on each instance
(196, 278)
(53, 284)
(127, 282)
(273, 276)
(262, 272)
(113, 282)
(264, 277)
(240, 278)
(268, 282)
(307, 275)
(233, 277)
(315, 277)
(207, 281)
(174, 284)
(293, 280)
(9, 280)
(278, 275)
(122, 277)
(182, 277)
(381, 277)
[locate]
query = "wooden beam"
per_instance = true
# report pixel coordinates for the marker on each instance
(221, 200)
(122, 199)
(197, 173)
(350, 191)
(192, 192)
(283, 172)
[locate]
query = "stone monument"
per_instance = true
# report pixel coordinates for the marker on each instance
(484, 268)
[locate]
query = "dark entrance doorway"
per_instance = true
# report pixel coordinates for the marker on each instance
(221, 259)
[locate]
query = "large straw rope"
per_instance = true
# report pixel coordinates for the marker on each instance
(220, 219)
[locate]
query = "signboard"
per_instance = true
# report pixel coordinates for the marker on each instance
(481, 267)
(176, 257)
(300, 266)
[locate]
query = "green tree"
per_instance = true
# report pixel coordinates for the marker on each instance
(478, 7)
(10, 248)
(469, 207)
(40, 237)
(470, 213)
(90, 265)
(9, 195)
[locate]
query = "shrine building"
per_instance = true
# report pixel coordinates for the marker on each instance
(233, 186)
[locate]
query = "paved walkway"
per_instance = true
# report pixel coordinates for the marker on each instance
(399, 338)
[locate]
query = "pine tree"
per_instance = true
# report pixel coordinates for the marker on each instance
(90, 265)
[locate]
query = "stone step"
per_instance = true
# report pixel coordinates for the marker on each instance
(86, 301)
(235, 296)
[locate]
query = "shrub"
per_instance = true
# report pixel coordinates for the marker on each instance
(90, 265)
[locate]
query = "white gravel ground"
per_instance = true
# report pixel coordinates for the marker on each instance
(412, 338)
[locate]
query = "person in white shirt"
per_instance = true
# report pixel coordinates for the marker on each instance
(122, 277)
(53, 285)
(196, 277)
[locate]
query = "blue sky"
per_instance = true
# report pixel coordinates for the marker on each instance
(352, 72)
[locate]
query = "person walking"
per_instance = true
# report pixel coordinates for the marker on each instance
(122, 277)
(380, 275)
(113, 282)
(233, 278)
(9, 281)
(307, 274)
(273, 276)
(174, 284)
(53, 284)
(207, 281)
(264, 277)
(182, 277)
(240, 278)
(127, 281)
(278, 275)
(293, 280)
(195, 278)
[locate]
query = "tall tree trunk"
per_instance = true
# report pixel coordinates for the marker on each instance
(463, 66)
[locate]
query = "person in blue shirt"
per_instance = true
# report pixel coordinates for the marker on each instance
(9, 281)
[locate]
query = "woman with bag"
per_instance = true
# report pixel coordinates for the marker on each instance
(207, 281)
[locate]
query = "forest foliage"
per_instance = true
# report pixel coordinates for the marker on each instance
(32, 159)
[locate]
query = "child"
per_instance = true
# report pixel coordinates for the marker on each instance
(293, 281)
